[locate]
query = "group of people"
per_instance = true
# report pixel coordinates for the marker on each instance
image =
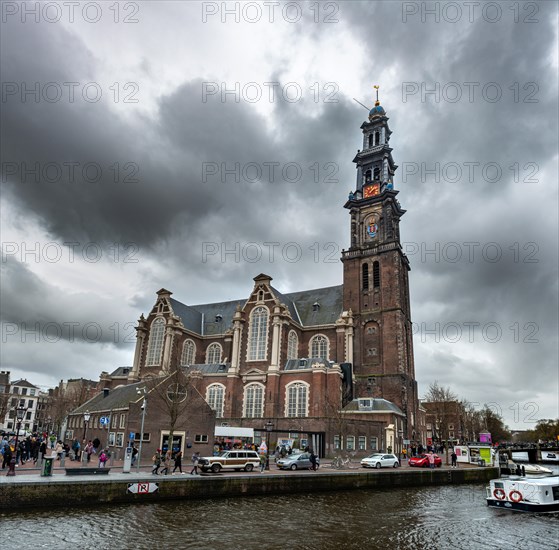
(163, 462)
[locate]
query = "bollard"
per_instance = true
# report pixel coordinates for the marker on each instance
(62, 459)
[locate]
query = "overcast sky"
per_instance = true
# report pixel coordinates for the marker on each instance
(166, 142)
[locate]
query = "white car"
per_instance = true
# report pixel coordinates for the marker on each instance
(378, 460)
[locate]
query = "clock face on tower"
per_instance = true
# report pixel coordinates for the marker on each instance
(371, 190)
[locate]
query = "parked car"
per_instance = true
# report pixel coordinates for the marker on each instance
(378, 460)
(301, 461)
(422, 461)
(230, 460)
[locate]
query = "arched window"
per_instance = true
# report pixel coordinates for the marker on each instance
(377, 138)
(371, 143)
(292, 345)
(365, 269)
(215, 395)
(368, 175)
(377, 174)
(213, 354)
(319, 347)
(376, 275)
(297, 399)
(258, 338)
(156, 336)
(254, 401)
(188, 353)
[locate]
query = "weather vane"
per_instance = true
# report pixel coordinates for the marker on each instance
(376, 88)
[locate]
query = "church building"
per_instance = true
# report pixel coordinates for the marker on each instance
(331, 367)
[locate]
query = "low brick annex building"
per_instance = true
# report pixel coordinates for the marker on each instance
(333, 366)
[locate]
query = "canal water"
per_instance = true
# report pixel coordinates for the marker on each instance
(418, 518)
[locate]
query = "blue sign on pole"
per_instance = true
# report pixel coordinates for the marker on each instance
(104, 420)
(132, 435)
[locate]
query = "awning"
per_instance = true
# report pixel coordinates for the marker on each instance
(228, 431)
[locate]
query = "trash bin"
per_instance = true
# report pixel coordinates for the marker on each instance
(46, 469)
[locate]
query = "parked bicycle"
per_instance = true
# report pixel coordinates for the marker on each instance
(339, 462)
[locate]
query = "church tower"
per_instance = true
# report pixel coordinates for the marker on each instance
(376, 287)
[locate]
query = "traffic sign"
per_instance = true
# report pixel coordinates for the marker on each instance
(142, 488)
(104, 421)
(132, 435)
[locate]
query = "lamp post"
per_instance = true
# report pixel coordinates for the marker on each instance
(20, 414)
(269, 426)
(144, 407)
(86, 417)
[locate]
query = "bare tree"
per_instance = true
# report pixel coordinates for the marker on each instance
(443, 405)
(169, 396)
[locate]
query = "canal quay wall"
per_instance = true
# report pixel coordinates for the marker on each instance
(62, 491)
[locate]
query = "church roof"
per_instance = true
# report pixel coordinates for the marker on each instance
(201, 318)
(118, 398)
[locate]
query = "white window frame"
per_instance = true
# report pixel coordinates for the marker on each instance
(362, 443)
(313, 343)
(214, 400)
(257, 349)
(188, 355)
(200, 438)
(119, 442)
(338, 443)
(122, 423)
(297, 407)
(374, 443)
(292, 345)
(156, 341)
(251, 408)
(350, 443)
(210, 353)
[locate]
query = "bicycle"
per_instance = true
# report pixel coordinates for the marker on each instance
(339, 462)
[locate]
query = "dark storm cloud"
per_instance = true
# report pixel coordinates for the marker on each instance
(172, 213)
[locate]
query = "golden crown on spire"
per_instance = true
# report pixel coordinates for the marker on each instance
(377, 102)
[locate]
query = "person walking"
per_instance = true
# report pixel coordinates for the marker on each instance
(404, 453)
(89, 450)
(454, 459)
(156, 462)
(134, 455)
(431, 458)
(103, 457)
(195, 459)
(312, 458)
(262, 462)
(178, 462)
(166, 463)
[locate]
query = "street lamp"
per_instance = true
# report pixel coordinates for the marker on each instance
(144, 407)
(86, 417)
(20, 415)
(269, 426)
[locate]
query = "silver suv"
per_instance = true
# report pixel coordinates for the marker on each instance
(230, 460)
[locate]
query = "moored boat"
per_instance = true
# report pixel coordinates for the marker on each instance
(524, 495)
(527, 469)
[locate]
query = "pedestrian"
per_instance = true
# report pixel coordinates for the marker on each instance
(195, 460)
(76, 448)
(431, 458)
(156, 462)
(312, 458)
(134, 455)
(262, 462)
(178, 462)
(103, 457)
(404, 453)
(166, 463)
(89, 450)
(59, 450)
(454, 459)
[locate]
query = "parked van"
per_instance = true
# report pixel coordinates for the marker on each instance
(230, 460)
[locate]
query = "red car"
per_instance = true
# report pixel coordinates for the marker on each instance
(422, 461)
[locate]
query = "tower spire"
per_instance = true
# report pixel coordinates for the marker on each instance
(377, 102)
